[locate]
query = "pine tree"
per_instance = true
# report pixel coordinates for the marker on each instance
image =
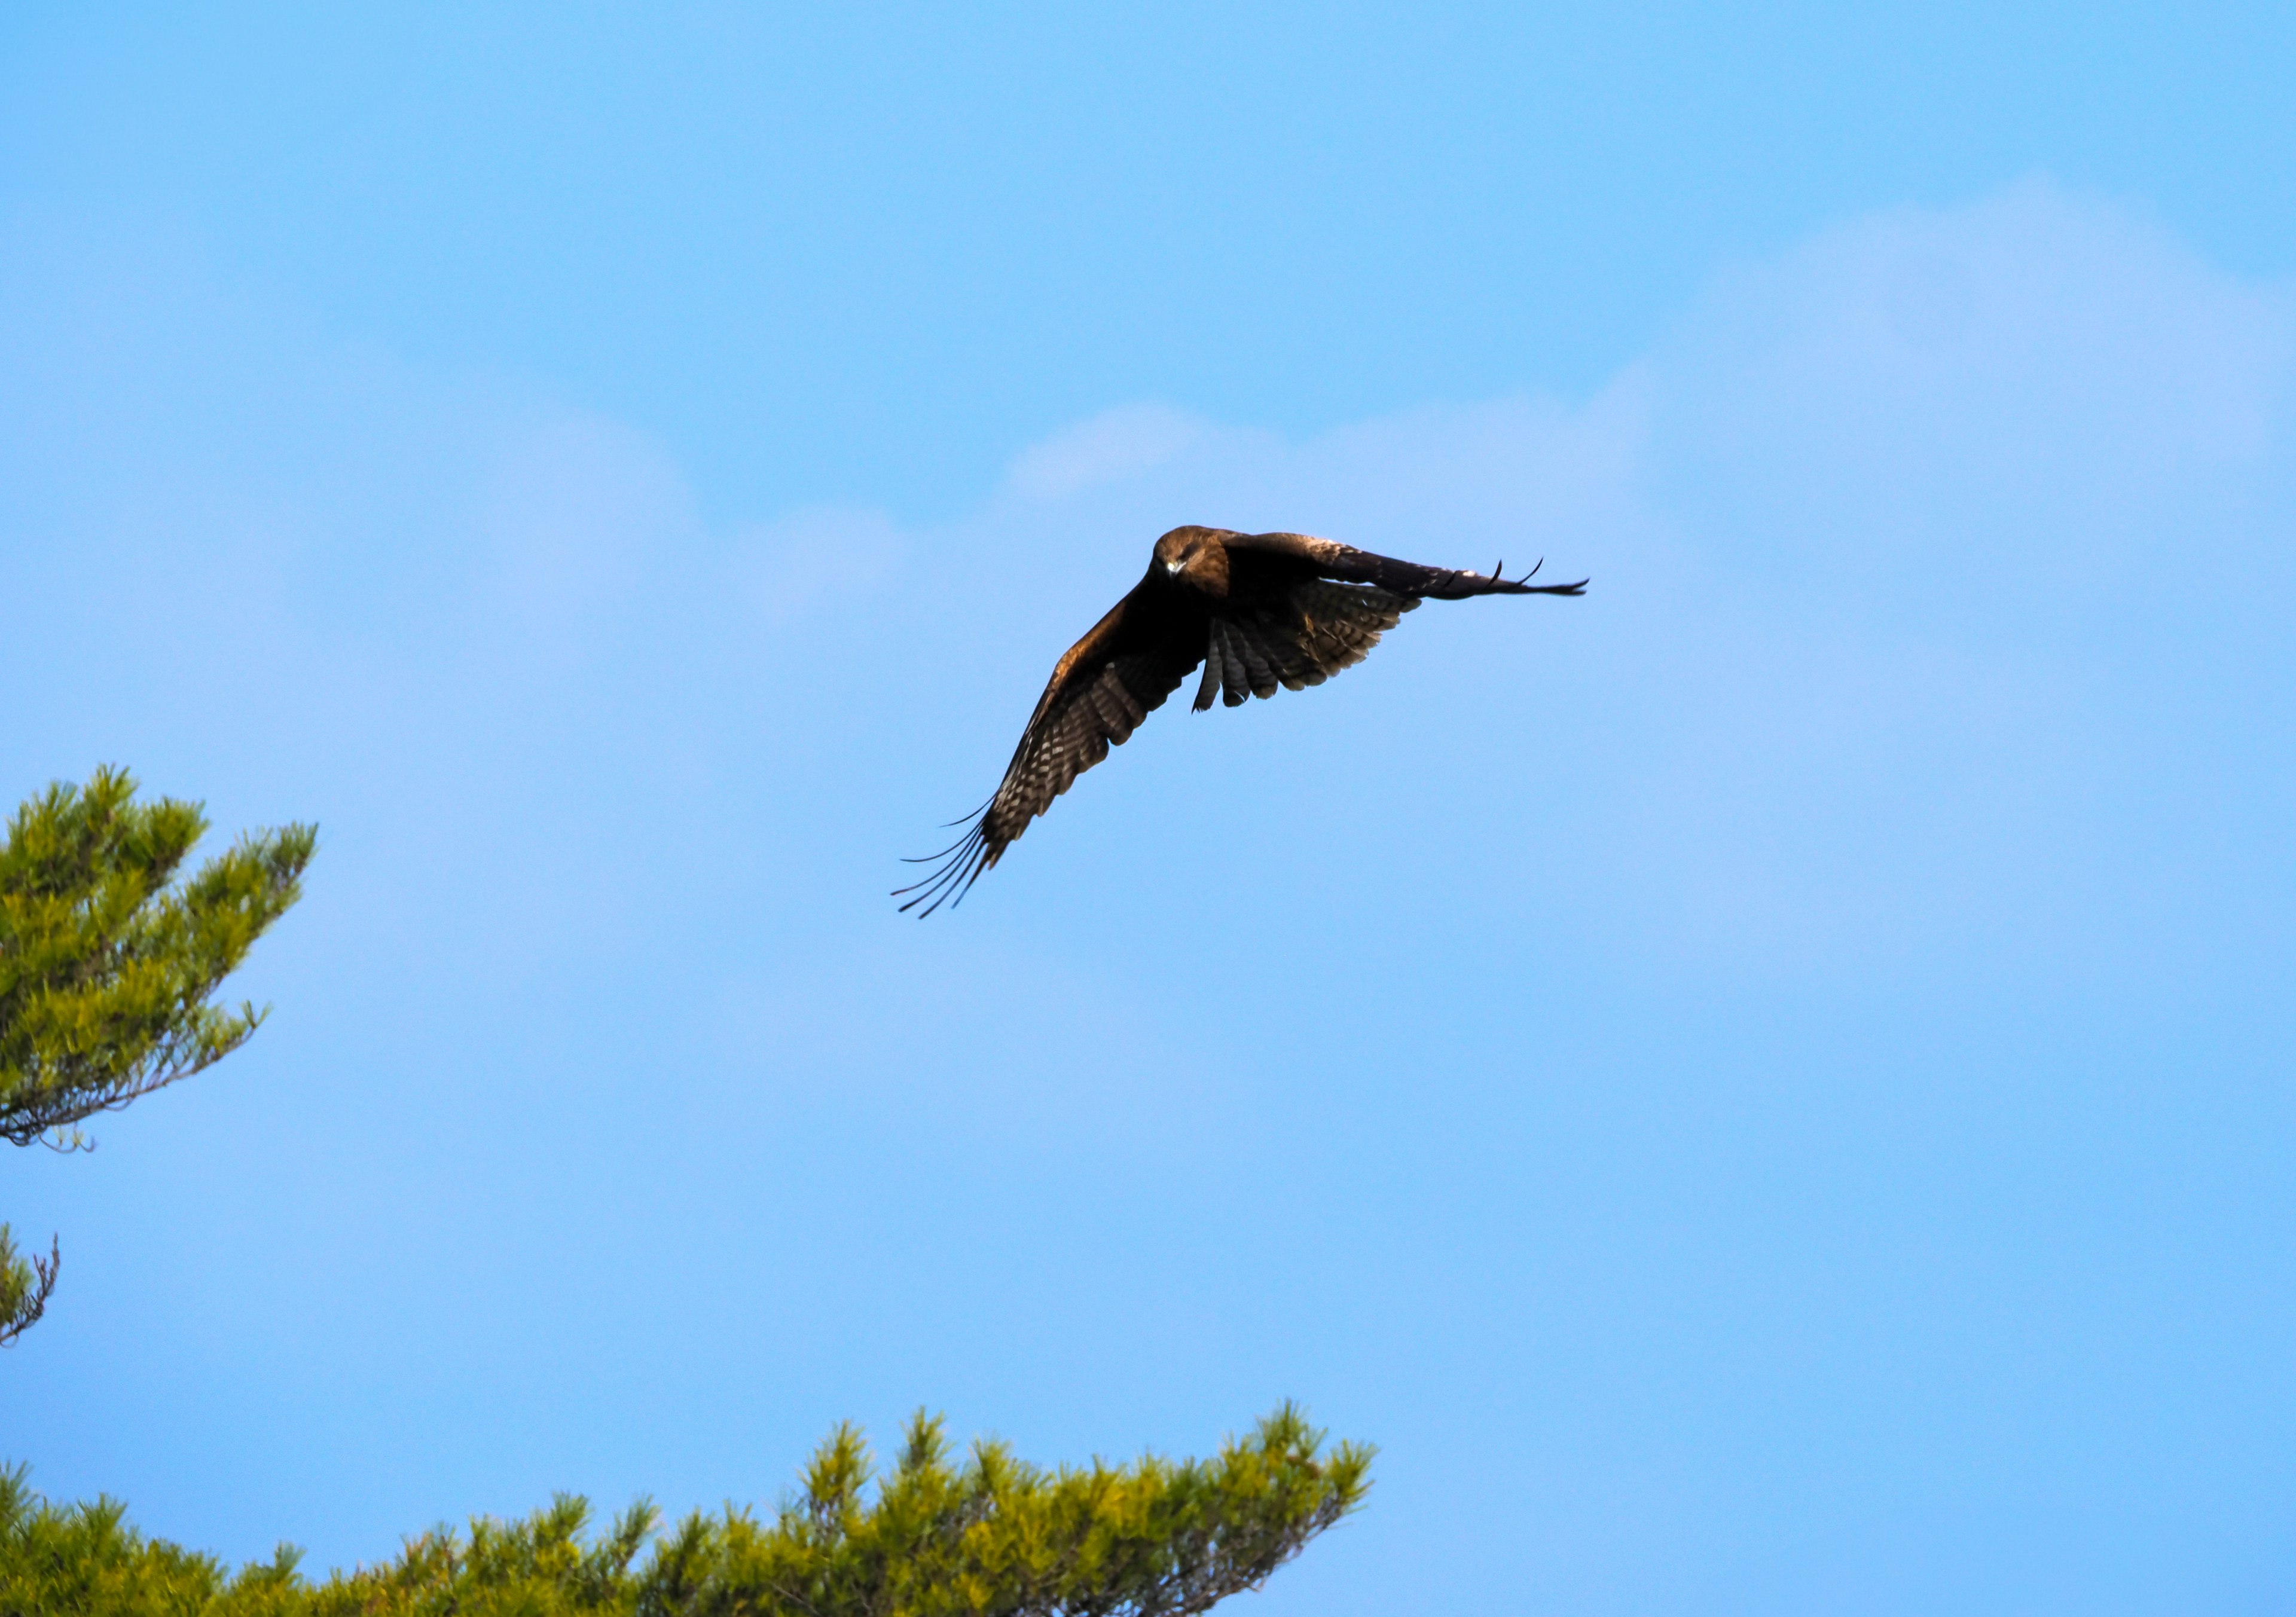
(108, 966)
(986, 1537)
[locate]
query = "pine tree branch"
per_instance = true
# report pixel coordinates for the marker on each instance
(25, 1285)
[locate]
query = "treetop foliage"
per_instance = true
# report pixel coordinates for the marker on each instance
(107, 965)
(988, 1536)
(105, 971)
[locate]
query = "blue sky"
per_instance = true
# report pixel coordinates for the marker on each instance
(1764, 1089)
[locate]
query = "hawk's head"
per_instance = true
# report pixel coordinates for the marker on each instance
(1199, 555)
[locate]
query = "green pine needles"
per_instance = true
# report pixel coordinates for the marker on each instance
(984, 1537)
(107, 965)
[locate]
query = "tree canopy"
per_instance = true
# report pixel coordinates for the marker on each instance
(108, 965)
(986, 1536)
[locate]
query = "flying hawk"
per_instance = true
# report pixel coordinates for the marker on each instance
(1257, 610)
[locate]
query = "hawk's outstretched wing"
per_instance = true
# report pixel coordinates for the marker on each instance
(1109, 680)
(1331, 559)
(1285, 623)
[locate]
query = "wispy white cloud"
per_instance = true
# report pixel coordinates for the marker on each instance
(1915, 549)
(1111, 447)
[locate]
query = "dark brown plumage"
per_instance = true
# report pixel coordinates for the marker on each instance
(1257, 610)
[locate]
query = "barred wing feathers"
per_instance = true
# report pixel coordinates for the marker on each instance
(1316, 630)
(1099, 691)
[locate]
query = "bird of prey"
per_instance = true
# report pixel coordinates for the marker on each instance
(1257, 610)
